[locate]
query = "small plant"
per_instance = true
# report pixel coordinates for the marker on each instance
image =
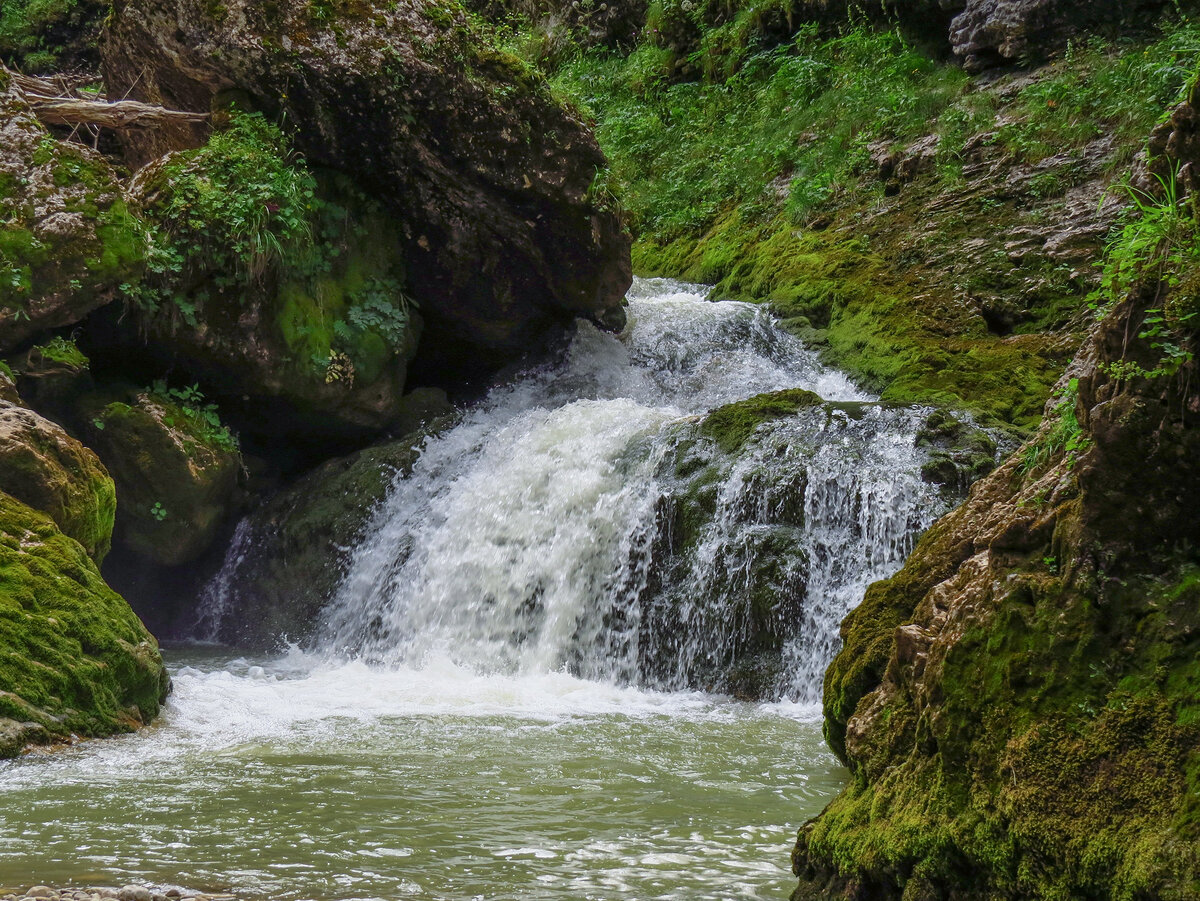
(200, 417)
(158, 511)
(1159, 249)
(1065, 437)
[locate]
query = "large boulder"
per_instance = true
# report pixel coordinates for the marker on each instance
(44, 467)
(176, 470)
(283, 293)
(67, 240)
(492, 184)
(992, 32)
(74, 659)
(1019, 705)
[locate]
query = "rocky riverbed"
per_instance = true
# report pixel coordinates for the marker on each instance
(109, 893)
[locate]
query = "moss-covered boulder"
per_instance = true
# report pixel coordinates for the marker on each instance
(67, 240)
(494, 188)
(282, 290)
(44, 467)
(1020, 705)
(74, 659)
(176, 470)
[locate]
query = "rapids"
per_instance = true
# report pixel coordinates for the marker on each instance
(501, 701)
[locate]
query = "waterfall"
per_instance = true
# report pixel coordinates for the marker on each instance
(578, 519)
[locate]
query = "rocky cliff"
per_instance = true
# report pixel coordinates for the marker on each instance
(1018, 706)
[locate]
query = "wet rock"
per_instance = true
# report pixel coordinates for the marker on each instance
(44, 467)
(135, 893)
(288, 557)
(506, 233)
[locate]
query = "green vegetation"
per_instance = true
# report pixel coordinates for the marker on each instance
(1064, 437)
(230, 213)
(64, 351)
(73, 657)
(243, 219)
(201, 420)
(732, 425)
(747, 154)
(42, 35)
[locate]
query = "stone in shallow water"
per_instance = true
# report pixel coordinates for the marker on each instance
(135, 893)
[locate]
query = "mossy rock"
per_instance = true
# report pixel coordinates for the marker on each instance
(1019, 705)
(176, 476)
(52, 376)
(67, 239)
(732, 425)
(74, 659)
(44, 467)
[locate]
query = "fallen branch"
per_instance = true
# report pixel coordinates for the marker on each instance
(120, 114)
(59, 101)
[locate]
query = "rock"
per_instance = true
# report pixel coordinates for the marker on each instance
(135, 893)
(68, 241)
(176, 470)
(74, 659)
(1021, 695)
(41, 891)
(505, 229)
(51, 376)
(992, 32)
(308, 327)
(288, 557)
(44, 467)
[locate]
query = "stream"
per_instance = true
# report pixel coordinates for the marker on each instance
(520, 690)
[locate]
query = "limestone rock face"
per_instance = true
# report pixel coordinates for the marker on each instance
(68, 240)
(1018, 705)
(990, 32)
(492, 183)
(74, 659)
(45, 468)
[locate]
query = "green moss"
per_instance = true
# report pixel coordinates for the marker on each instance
(40, 35)
(73, 657)
(732, 425)
(64, 351)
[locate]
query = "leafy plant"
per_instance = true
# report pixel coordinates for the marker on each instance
(1064, 437)
(200, 417)
(1159, 248)
(227, 214)
(158, 511)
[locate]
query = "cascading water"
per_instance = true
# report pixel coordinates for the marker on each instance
(536, 535)
(558, 566)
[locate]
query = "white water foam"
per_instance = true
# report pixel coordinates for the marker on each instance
(526, 538)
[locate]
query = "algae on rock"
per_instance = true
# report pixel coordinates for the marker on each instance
(44, 467)
(74, 659)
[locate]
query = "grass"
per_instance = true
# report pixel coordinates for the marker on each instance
(757, 172)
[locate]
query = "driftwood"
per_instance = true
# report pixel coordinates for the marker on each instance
(59, 101)
(117, 114)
